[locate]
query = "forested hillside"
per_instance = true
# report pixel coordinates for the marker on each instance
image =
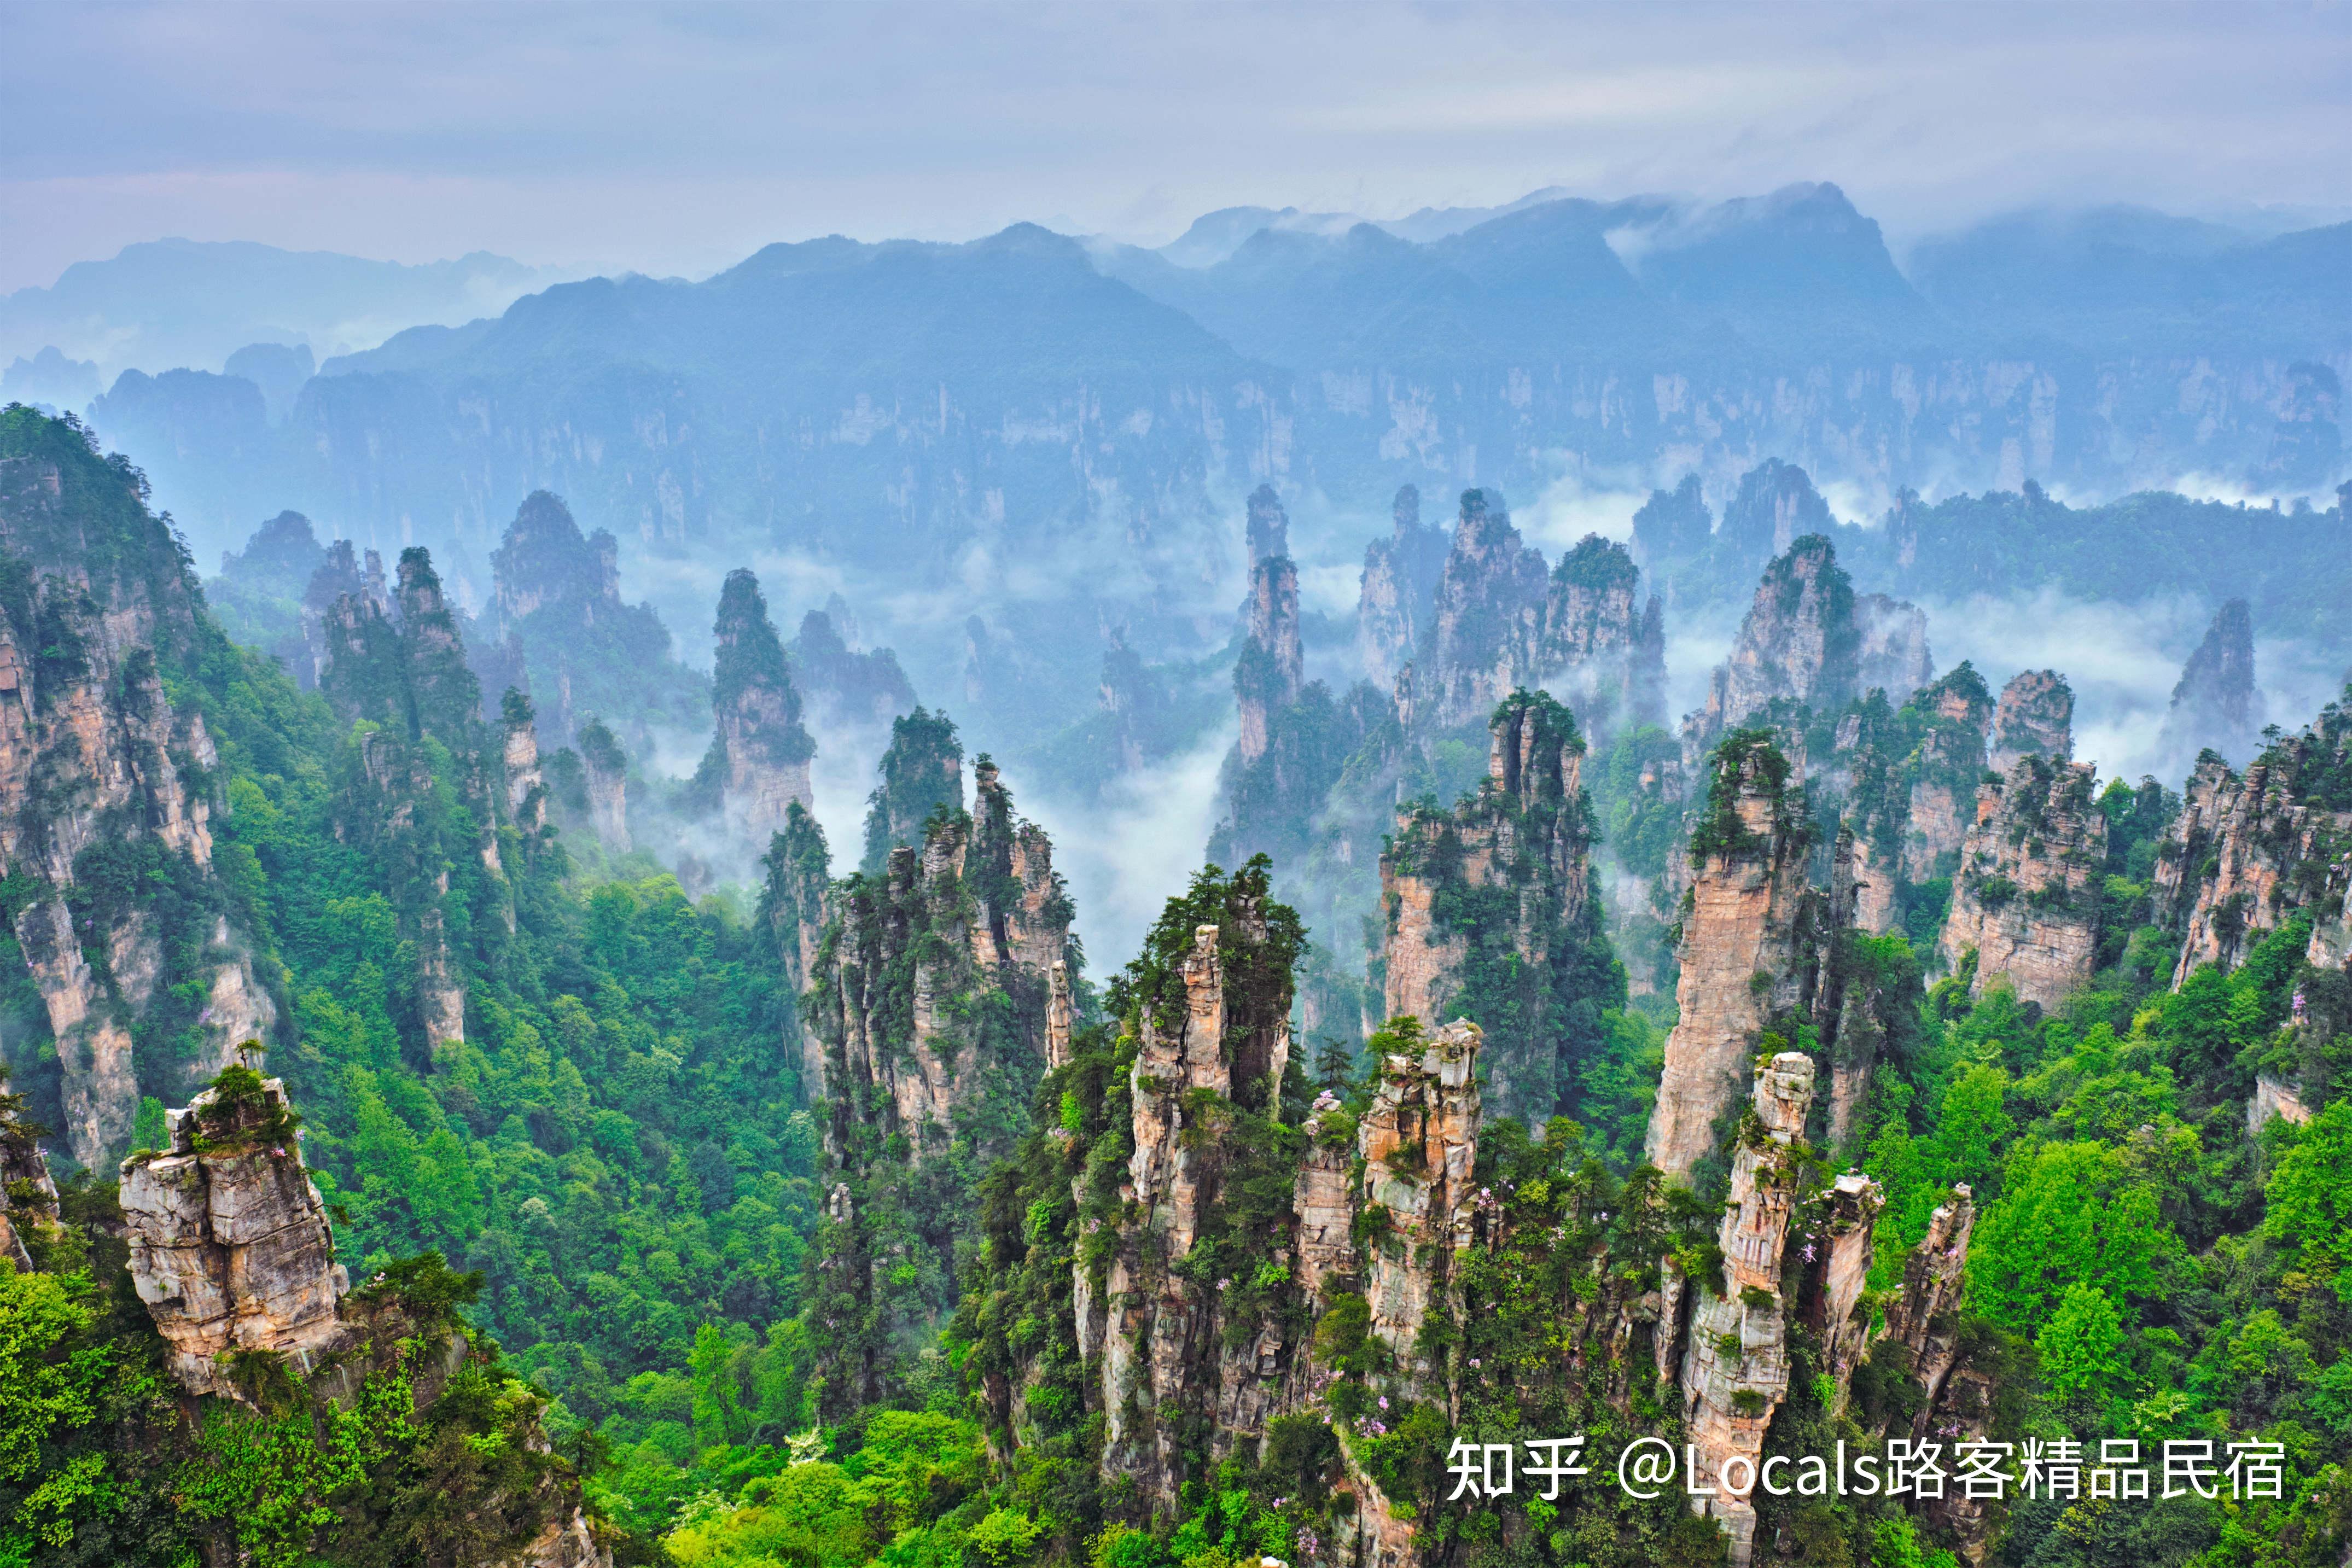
(400, 1167)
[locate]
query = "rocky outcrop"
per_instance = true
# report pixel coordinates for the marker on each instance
(759, 752)
(1488, 639)
(1850, 1212)
(1171, 1362)
(557, 625)
(2035, 718)
(105, 787)
(1908, 779)
(1136, 700)
(1395, 603)
(1735, 1371)
(1025, 910)
(1272, 664)
(1801, 641)
(341, 575)
(229, 1243)
(2217, 706)
(606, 770)
(1419, 1147)
(1744, 924)
(2026, 900)
(1490, 911)
(1922, 1321)
(2249, 852)
(922, 772)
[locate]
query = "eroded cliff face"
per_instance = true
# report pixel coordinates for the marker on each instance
(849, 684)
(2026, 900)
(1744, 921)
(1419, 1145)
(1170, 1362)
(1490, 912)
(104, 786)
(229, 1243)
(605, 768)
(1802, 641)
(1735, 1370)
(1910, 777)
(2249, 852)
(1395, 605)
(795, 906)
(926, 1019)
(409, 681)
(2035, 718)
(758, 764)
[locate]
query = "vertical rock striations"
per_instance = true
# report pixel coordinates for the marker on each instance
(1801, 641)
(605, 768)
(759, 758)
(2026, 900)
(229, 1244)
(2035, 718)
(795, 906)
(927, 1013)
(2249, 852)
(106, 790)
(1735, 1371)
(1490, 912)
(1419, 1147)
(1183, 1376)
(1745, 921)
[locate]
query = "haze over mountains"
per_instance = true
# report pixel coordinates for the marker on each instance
(1016, 453)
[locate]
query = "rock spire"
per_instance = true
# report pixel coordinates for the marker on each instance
(1272, 664)
(759, 752)
(2217, 706)
(2026, 901)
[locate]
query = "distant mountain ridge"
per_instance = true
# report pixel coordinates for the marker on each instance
(170, 304)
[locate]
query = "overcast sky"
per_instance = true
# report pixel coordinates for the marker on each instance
(680, 139)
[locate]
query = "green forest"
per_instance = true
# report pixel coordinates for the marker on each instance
(614, 1246)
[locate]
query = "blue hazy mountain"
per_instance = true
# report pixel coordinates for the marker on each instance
(173, 304)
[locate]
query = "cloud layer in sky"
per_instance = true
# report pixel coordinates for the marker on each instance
(678, 139)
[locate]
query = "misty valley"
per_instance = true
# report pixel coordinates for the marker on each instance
(1043, 901)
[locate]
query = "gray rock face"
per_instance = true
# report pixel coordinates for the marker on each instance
(2034, 718)
(92, 751)
(1273, 662)
(229, 1243)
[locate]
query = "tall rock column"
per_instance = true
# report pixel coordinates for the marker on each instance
(758, 759)
(2027, 896)
(1735, 1369)
(1272, 664)
(525, 785)
(1491, 913)
(2034, 718)
(1419, 1144)
(1597, 651)
(229, 1244)
(922, 770)
(103, 787)
(796, 906)
(1742, 921)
